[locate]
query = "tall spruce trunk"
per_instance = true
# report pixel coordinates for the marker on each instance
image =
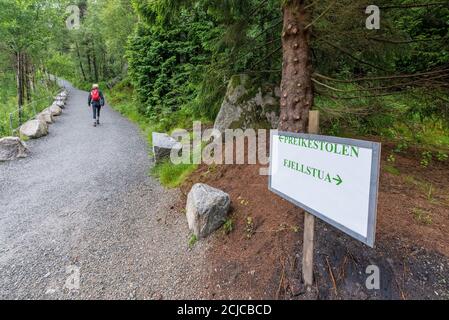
(83, 73)
(89, 64)
(94, 61)
(27, 78)
(19, 79)
(296, 86)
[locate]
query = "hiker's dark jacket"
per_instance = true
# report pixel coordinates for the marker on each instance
(96, 103)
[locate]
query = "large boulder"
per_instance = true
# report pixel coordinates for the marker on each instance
(163, 145)
(46, 116)
(247, 106)
(34, 129)
(207, 209)
(55, 110)
(12, 148)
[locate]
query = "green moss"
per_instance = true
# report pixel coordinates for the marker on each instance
(235, 81)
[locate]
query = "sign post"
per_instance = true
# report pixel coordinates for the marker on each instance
(334, 179)
(309, 219)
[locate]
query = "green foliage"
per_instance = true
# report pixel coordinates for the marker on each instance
(442, 156)
(392, 170)
(422, 216)
(192, 241)
(426, 159)
(60, 64)
(411, 118)
(228, 226)
(391, 159)
(41, 99)
(180, 55)
(166, 63)
(401, 147)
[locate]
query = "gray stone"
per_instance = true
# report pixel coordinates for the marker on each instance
(59, 103)
(12, 148)
(34, 129)
(163, 145)
(55, 110)
(46, 116)
(246, 106)
(62, 96)
(207, 209)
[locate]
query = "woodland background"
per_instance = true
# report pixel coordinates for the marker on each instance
(168, 62)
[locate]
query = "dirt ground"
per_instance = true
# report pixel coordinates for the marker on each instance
(261, 257)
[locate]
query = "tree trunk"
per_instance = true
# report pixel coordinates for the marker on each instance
(19, 78)
(33, 78)
(27, 78)
(83, 73)
(94, 60)
(296, 86)
(89, 64)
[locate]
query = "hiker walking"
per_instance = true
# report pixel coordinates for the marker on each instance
(96, 100)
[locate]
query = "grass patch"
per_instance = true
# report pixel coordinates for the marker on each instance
(422, 216)
(41, 99)
(228, 226)
(392, 170)
(192, 241)
(172, 175)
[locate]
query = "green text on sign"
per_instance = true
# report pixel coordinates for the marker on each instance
(313, 172)
(340, 149)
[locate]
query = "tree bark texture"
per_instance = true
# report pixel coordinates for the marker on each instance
(296, 86)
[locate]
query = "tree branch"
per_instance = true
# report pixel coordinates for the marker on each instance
(382, 77)
(352, 56)
(321, 15)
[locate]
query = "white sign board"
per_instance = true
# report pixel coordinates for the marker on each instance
(334, 179)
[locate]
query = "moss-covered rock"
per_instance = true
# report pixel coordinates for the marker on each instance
(248, 106)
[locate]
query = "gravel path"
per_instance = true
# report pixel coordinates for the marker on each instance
(83, 203)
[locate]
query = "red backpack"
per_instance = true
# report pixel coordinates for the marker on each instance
(95, 94)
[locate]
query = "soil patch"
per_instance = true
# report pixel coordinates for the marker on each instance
(261, 257)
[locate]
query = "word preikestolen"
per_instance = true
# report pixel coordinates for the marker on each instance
(339, 149)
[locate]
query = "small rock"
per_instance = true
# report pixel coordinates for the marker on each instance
(295, 287)
(207, 209)
(50, 291)
(55, 110)
(157, 296)
(12, 148)
(45, 116)
(34, 129)
(60, 104)
(163, 145)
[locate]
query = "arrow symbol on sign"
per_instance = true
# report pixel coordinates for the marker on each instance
(338, 180)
